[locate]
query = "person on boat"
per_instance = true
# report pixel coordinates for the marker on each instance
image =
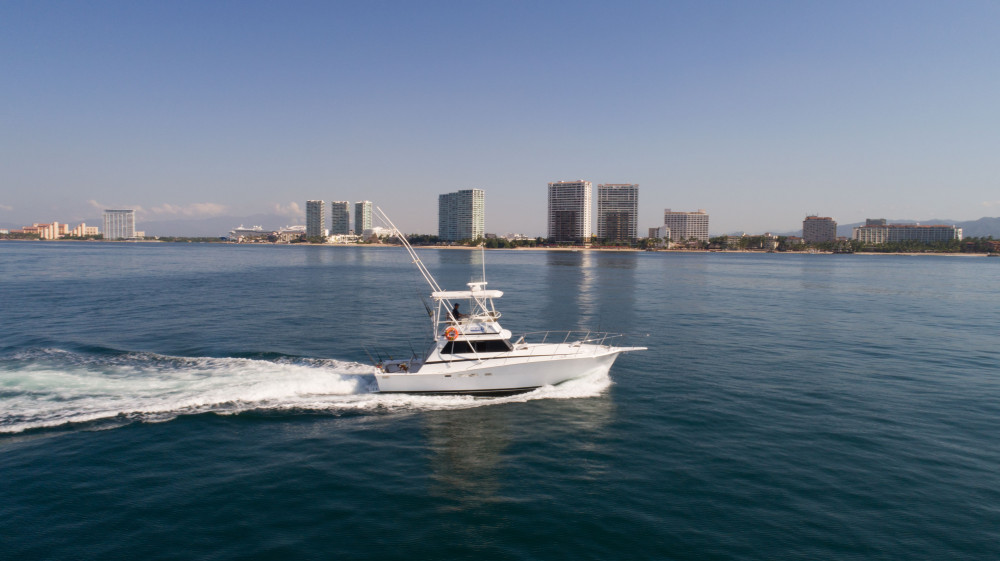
(456, 314)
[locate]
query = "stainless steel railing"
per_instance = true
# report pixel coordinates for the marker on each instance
(571, 338)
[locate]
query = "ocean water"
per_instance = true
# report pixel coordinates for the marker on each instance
(187, 401)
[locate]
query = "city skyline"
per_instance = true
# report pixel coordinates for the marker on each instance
(464, 211)
(341, 221)
(760, 113)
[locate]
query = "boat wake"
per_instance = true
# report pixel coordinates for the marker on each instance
(45, 389)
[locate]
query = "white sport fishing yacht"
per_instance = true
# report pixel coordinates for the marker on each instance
(472, 354)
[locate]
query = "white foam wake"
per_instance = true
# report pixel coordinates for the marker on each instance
(54, 388)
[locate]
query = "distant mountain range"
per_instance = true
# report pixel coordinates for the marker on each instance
(970, 228)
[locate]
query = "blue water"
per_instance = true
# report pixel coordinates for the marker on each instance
(168, 401)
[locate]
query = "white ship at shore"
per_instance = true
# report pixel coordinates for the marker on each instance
(472, 353)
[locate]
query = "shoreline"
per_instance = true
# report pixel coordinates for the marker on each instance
(630, 250)
(557, 249)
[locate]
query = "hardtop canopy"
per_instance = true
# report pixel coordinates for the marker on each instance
(466, 294)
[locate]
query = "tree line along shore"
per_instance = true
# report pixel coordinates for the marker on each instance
(721, 244)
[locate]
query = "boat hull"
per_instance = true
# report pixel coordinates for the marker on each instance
(497, 377)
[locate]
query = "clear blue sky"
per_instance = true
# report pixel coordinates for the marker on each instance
(759, 112)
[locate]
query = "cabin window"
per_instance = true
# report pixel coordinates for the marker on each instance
(484, 346)
(492, 346)
(455, 347)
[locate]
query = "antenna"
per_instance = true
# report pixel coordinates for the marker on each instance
(482, 253)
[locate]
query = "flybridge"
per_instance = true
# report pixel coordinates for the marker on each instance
(447, 294)
(480, 299)
(473, 354)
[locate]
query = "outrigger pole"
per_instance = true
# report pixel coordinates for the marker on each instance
(435, 287)
(409, 249)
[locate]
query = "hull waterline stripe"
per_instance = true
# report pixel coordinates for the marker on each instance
(485, 358)
(497, 392)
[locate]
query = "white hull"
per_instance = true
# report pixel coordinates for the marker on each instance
(495, 376)
(473, 354)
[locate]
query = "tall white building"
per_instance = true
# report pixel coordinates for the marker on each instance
(569, 211)
(362, 217)
(618, 212)
(686, 225)
(119, 224)
(340, 218)
(315, 219)
(461, 215)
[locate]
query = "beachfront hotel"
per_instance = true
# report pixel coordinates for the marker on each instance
(618, 211)
(876, 231)
(819, 229)
(569, 211)
(362, 217)
(50, 231)
(686, 225)
(119, 224)
(461, 215)
(340, 218)
(315, 219)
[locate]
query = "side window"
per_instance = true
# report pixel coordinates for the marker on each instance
(492, 346)
(463, 347)
(456, 347)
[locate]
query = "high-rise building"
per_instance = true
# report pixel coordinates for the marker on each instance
(686, 225)
(618, 212)
(340, 218)
(362, 217)
(119, 224)
(315, 219)
(819, 229)
(461, 215)
(876, 231)
(569, 211)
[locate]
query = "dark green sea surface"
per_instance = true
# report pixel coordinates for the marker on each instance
(168, 401)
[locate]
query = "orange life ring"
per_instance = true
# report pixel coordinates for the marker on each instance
(451, 333)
